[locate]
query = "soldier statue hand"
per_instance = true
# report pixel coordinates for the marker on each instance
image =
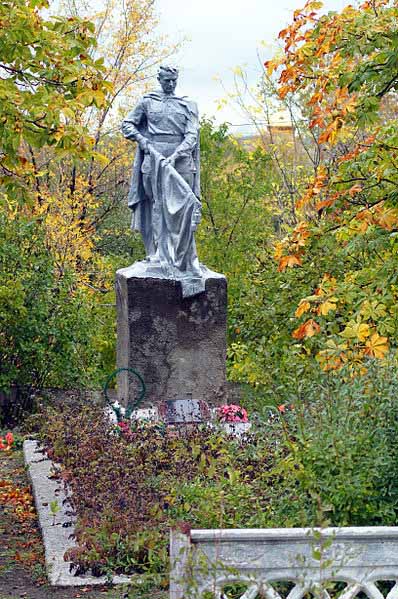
(144, 145)
(170, 160)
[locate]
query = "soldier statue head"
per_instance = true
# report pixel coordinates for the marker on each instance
(167, 77)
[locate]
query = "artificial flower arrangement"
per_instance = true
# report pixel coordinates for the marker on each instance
(232, 413)
(233, 418)
(7, 442)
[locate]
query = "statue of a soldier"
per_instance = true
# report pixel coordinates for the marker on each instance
(165, 187)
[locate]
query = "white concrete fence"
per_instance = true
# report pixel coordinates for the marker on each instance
(310, 560)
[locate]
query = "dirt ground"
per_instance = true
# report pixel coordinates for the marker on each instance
(22, 572)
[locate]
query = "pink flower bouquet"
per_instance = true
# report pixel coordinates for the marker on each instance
(232, 413)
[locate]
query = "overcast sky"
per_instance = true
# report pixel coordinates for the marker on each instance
(223, 34)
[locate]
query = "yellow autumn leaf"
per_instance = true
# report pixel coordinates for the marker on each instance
(59, 133)
(327, 306)
(279, 249)
(358, 330)
(302, 308)
(376, 346)
(270, 66)
(101, 158)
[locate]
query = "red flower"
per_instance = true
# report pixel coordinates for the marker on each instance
(123, 425)
(7, 442)
(283, 408)
(232, 413)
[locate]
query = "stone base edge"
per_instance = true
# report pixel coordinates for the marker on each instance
(56, 532)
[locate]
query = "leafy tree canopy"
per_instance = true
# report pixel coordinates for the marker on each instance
(46, 76)
(343, 66)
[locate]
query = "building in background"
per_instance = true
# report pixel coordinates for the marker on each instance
(279, 127)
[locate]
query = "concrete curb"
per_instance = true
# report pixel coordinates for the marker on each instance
(56, 537)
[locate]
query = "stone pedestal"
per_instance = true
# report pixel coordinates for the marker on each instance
(177, 344)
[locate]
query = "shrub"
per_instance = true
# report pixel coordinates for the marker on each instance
(45, 321)
(344, 447)
(330, 458)
(130, 486)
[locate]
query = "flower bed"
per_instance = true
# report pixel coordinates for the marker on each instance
(329, 459)
(131, 483)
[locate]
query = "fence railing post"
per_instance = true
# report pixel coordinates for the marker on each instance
(180, 545)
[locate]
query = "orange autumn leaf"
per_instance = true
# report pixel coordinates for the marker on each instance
(355, 189)
(329, 362)
(387, 219)
(319, 121)
(284, 90)
(323, 204)
(283, 33)
(330, 133)
(376, 346)
(302, 308)
(289, 262)
(315, 99)
(271, 65)
(308, 329)
(301, 230)
(366, 216)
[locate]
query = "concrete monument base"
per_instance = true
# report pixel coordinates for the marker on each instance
(177, 344)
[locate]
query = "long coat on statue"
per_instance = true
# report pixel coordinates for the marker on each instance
(169, 218)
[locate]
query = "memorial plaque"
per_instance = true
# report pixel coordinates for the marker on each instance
(184, 411)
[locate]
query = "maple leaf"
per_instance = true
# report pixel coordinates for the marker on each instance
(376, 346)
(289, 262)
(307, 329)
